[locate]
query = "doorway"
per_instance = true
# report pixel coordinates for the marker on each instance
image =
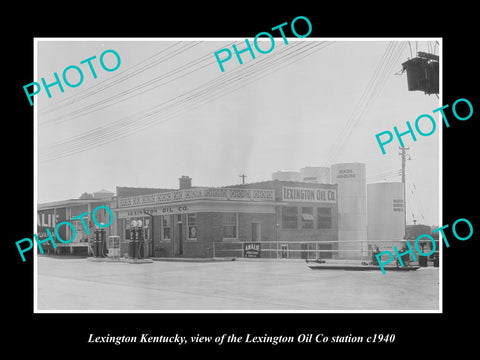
(179, 239)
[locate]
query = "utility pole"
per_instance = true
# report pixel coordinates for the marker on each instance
(404, 155)
(243, 176)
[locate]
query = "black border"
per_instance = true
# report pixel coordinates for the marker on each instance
(415, 333)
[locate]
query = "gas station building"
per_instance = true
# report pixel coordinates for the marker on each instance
(202, 222)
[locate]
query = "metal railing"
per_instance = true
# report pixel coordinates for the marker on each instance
(348, 249)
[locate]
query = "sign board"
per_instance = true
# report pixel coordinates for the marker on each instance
(309, 194)
(346, 173)
(398, 205)
(48, 219)
(192, 232)
(252, 250)
(164, 210)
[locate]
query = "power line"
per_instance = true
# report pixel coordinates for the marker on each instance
(145, 123)
(384, 175)
(236, 80)
(123, 95)
(137, 127)
(369, 95)
(215, 83)
(117, 78)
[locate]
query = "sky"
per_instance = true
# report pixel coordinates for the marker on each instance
(168, 111)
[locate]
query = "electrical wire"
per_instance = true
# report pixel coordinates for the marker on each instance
(207, 92)
(114, 124)
(152, 114)
(122, 96)
(117, 78)
(360, 104)
(369, 95)
(384, 175)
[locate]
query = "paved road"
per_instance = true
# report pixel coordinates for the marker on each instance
(77, 284)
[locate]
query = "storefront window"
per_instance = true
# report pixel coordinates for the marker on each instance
(166, 226)
(324, 218)
(230, 226)
(145, 227)
(307, 217)
(289, 217)
(192, 226)
(81, 235)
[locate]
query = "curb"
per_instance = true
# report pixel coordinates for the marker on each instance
(197, 260)
(121, 260)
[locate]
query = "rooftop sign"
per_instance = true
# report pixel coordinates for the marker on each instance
(198, 194)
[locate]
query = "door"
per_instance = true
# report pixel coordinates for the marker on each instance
(179, 239)
(178, 234)
(256, 232)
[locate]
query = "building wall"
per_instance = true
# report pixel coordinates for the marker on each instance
(317, 175)
(352, 207)
(210, 230)
(210, 223)
(66, 211)
(267, 226)
(386, 216)
(296, 239)
(48, 219)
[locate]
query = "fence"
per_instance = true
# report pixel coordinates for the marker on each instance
(351, 249)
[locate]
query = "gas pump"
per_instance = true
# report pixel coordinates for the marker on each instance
(99, 244)
(133, 240)
(137, 241)
(114, 246)
(140, 243)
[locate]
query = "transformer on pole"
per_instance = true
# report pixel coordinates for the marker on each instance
(423, 73)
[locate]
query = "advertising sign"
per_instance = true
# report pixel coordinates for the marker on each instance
(309, 194)
(252, 250)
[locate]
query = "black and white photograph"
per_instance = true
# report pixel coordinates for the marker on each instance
(253, 182)
(225, 181)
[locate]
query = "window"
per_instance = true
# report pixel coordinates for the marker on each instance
(145, 227)
(230, 226)
(289, 217)
(192, 226)
(307, 217)
(166, 226)
(324, 218)
(81, 234)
